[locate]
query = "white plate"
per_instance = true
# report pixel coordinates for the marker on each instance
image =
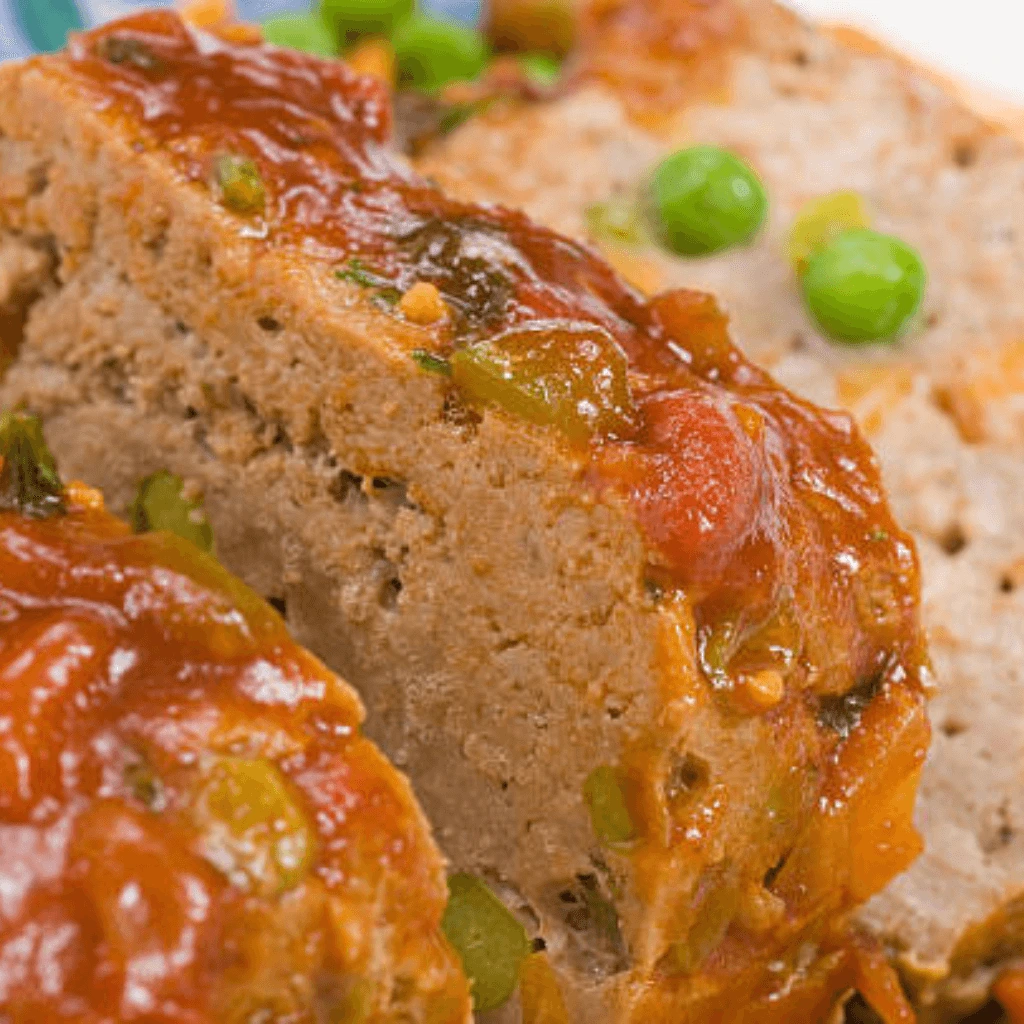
(979, 41)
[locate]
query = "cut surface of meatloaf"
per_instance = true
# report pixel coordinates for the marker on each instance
(943, 406)
(637, 622)
(192, 827)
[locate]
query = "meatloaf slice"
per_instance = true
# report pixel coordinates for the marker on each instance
(637, 621)
(943, 406)
(192, 827)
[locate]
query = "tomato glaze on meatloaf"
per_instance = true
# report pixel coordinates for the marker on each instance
(636, 620)
(192, 827)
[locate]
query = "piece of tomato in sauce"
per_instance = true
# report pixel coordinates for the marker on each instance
(693, 478)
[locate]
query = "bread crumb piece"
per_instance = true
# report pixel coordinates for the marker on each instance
(422, 304)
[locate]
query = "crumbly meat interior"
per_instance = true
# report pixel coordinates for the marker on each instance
(495, 617)
(944, 407)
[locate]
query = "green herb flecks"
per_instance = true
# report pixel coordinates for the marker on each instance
(458, 114)
(126, 50)
(145, 785)
(542, 70)
(356, 272)
(29, 481)
(240, 184)
(160, 504)
(432, 364)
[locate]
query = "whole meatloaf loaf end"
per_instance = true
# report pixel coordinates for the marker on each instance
(192, 828)
(636, 621)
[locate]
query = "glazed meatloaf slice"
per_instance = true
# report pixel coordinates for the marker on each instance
(943, 406)
(192, 827)
(637, 622)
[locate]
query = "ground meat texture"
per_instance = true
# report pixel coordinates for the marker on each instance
(192, 827)
(532, 652)
(815, 112)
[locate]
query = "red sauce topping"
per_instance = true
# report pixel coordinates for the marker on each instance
(192, 827)
(660, 56)
(760, 505)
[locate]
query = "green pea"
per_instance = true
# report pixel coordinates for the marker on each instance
(864, 286)
(432, 52)
(240, 184)
(251, 827)
(706, 199)
(350, 19)
(605, 794)
(491, 943)
(160, 505)
(307, 32)
(541, 69)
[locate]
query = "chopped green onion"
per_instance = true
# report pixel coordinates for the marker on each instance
(161, 505)
(126, 50)
(605, 794)
(616, 220)
(240, 184)
(821, 221)
(459, 113)
(706, 933)
(431, 363)
(491, 943)
(574, 380)
(541, 69)
(145, 785)
(357, 273)
(29, 481)
(251, 827)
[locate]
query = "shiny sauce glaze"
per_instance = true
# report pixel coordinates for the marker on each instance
(659, 56)
(192, 827)
(767, 511)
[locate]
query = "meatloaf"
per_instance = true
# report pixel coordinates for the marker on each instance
(943, 406)
(192, 827)
(636, 620)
